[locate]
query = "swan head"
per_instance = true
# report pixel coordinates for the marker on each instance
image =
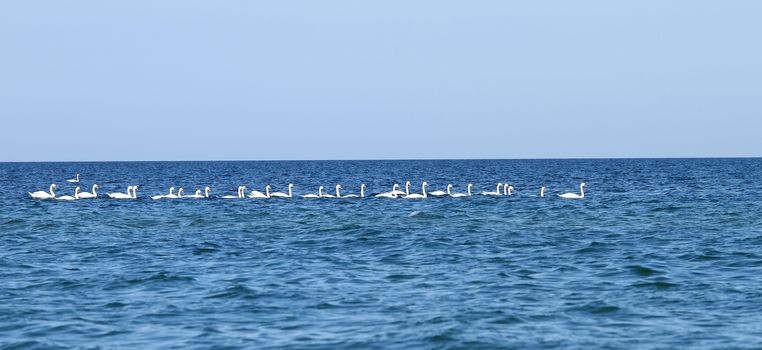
(135, 187)
(583, 184)
(267, 187)
(207, 188)
(470, 185)
(407, 183)
(395, 187)
(449, 186)
(243, 188)
(290, 185)
(425, 184)
(321, 188)
(363, 186)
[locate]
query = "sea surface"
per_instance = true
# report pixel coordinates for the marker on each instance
(660, 254)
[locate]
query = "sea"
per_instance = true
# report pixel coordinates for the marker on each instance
(659, 254)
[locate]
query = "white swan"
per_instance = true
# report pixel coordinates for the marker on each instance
(417, 195)
(198, 194)
(574, 195)
(441, 193)
(74, 180)
(241, 189)
(496, 193)
(119, 195)
(507, 189)
(171, 194)
(70, 198)
(362, 193)
(89, 195)
(43, 194)
(313, 195)
(458, 195)
(283, 195)
(392, 193)
(257, 194)
(328, 195)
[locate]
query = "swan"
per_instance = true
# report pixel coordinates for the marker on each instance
(496, 193)
(417, 195)
(327, 195)
(283, 195)
(392, 193)
(507, 189)
(574, 195)
(43, 194)
(119, 195)
(70, 198)
(312, 195)
(458, 195)
(89, 195)
(257, 194)
(74, 180)
(170, 195)
(199, 195)
(241, 189)
(362, 193)
(441, 193)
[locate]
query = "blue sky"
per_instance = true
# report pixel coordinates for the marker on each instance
(198, 80)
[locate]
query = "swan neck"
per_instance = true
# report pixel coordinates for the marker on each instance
(582, 191)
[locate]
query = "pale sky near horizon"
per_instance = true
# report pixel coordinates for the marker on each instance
(201, 80)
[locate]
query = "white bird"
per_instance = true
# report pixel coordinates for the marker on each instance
(74, 180)
(496, 193)
(43, 194)
(457, 195)
(392, 193)
(89, 195)
(507, 189)
(241, 189)
(574, 195)
(418, 195)
(283, 195)
(171, 194)
(328, 195)
(362, 193)
(312, 195)
(120, 195)
(441, 193)
(70, 198)
(257, 194)
(199, 195)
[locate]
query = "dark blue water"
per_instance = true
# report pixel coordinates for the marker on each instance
(660, 254)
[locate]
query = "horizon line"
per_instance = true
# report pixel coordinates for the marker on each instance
(375, 159)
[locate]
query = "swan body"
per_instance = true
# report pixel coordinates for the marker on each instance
(241, 189)
(74, 180)
(70, 198)
(89, 195)
(362, 193)
(496, 193)
(458, 195)
(418, 195)
(507, 189)
(131, 194)
(257, 194)
(283, 195)
(171, 194)
(392, 193)
(199, 195)
(43, 194)
(574, 195)
(312, 195)
(441, 193)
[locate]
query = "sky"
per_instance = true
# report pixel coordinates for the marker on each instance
(260, 80)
